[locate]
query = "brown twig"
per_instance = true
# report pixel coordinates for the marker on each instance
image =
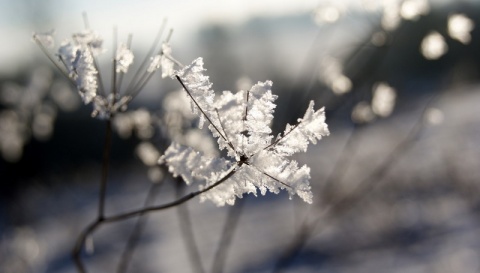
(90, 229)
(355, 196)
(187, 232)
(127, 253)
(231, 223)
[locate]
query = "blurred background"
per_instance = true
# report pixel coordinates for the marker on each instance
(396, 184)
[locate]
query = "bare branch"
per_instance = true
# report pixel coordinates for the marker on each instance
(201, 110)
(90, 229)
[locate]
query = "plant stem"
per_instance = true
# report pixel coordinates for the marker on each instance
(90, 229)
(137, 231)
(228, 231)
(105, 164)
(187, 231)
(352, 199)
(77, 250)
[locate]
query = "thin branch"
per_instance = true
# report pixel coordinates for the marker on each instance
(355, 196)
(200, 108)
(90, 229)
(85, 20)
(114, 66)
(145, 78)
(127, 215)
(178, 63)
(282, 137)
(244, 119)
(229, 228)
(270, 176)
(187, 232)
(343, 161)
(99, 74)
(127, 254)
(105, 165)
(121, 76)
(147, 75)
(135, 80)
(76, 253)
(246, 106)
(47, 53)
(225, 132)
(77, 250)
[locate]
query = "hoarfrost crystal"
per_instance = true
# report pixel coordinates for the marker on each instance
(78, 61)
(241, 124)
(124, 58)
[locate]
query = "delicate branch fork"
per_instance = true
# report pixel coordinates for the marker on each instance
(140, 79)
(109, 105)
(90, 229)
(243, 158)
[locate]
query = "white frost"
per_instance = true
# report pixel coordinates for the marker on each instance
(241, 124)
(124, 58)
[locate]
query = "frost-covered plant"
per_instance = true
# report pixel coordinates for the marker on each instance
(241, 124)
(77, 60)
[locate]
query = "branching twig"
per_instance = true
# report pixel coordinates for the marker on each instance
(203, 112)
(127, 254)
(187, 232)
(105, 165)
(231, 223)
(144, 62)
(90, 229)
(355, 196)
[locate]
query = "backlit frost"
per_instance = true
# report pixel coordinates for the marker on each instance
(241, 123)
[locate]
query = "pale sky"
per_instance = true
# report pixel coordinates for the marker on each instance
(140, 17)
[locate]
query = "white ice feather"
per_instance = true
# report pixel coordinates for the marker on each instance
(241, 124)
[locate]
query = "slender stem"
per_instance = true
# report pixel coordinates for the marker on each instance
(225, 132)
(101, 88)
(282, 137)
(269, 175)
(121, 76)
(114, 66)
(128, 215)
(147, 75)
(187, 231)
(105, 165)
(45, 51)
(135, 79)
(90, 229)
(201, 110)
(145, 78)
(229, 228)
(127, 254)
(77, 250)
(355, 196)
(342, 163)
(85, 20)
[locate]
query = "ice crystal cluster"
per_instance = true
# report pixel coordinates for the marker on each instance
(77, 59)
(256, 160)
(77, 56)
